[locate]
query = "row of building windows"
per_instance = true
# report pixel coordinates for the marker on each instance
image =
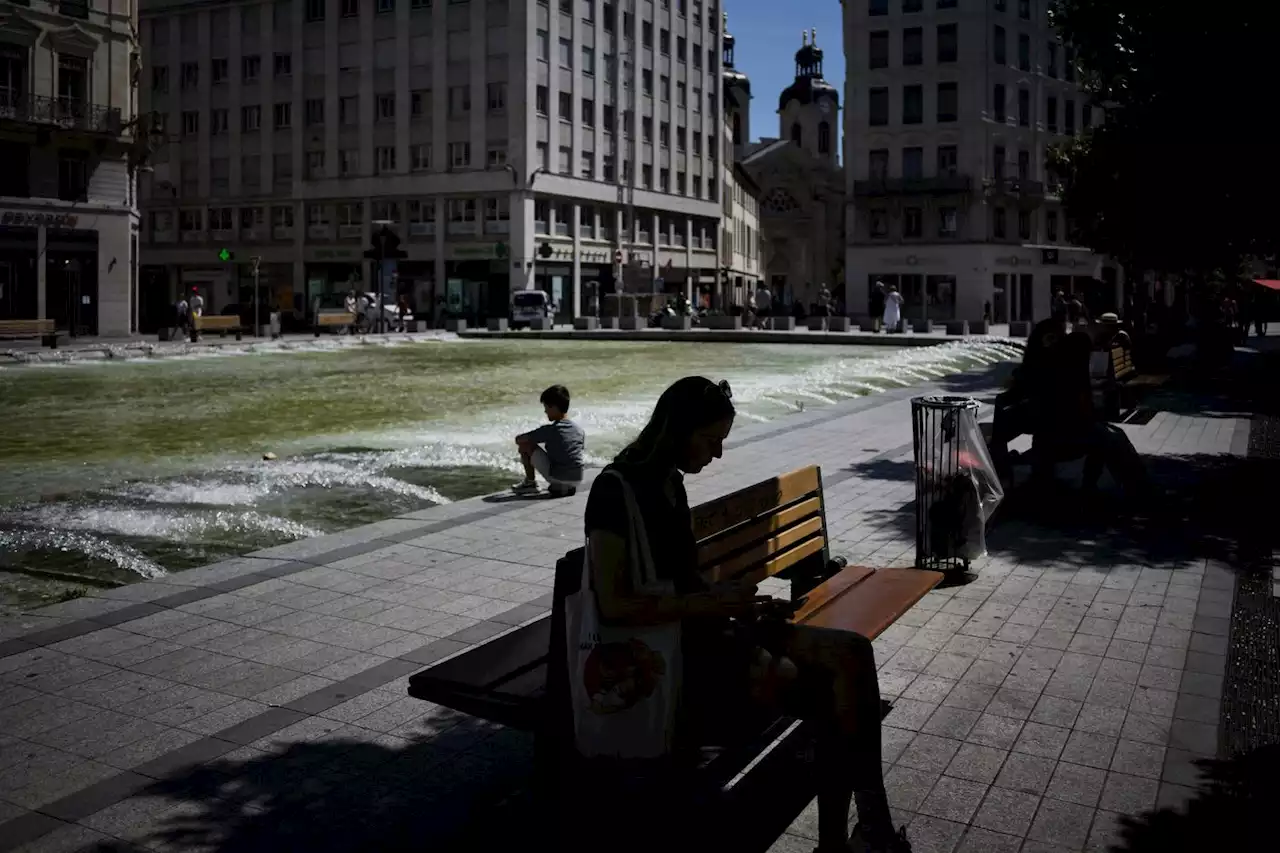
(908, 7)
(912, 224)
(947, 44)
(946, 162)
(315, 11)
(314, 114)
(947, 105)
(418, 216)
(881, 7)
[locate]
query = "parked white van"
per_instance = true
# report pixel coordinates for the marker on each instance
(528, 305)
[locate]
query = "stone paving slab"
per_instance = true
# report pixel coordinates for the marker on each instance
(1061, 688)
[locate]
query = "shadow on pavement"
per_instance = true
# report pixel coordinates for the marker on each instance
(1215, 510)
(1232, 810)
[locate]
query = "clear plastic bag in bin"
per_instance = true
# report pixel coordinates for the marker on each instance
(957, 488)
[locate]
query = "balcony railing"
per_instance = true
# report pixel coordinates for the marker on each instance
(938, 185)
(1019, 187)
(71, 113)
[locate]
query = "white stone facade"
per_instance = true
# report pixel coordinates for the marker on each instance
(68, 216)
(951, 108)
(482, 130)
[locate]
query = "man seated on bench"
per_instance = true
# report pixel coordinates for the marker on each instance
(735, 648)
(1055, 383)
(554, 450)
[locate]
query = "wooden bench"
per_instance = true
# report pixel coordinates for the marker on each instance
(220, 323)
(18, 329)
(774, 528)
(339, 320)
(1124, 384)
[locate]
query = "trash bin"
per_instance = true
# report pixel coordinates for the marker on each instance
(957, 488)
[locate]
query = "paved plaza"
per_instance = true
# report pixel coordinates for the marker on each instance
(260, 703)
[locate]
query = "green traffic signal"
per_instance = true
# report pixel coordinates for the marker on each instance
(224, 255)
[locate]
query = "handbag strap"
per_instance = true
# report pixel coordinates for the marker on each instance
(643, 568)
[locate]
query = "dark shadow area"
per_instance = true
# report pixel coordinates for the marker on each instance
(1215, 509)
(1232, 810)
(509, 497)
(900, 470)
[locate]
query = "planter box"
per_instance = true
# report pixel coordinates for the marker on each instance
(817, 324)
(958, 327)
(166, 334)
(722, 321)
(922, 327)
(782, 324)
(608, 322)
(837, 324)
(1019, 329)
(418, 326)
(455, 324)
(585, 324)
(677, 324)
(542, 324)
(868, 324)
(497, 324)
(979, 327)
(632, 322)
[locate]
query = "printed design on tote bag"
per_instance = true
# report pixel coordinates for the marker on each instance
(618, 675)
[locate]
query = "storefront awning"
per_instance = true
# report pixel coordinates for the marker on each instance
(1273, 283)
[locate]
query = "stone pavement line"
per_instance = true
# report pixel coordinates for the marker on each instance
(118, 787)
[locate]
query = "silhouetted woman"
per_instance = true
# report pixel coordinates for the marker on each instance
(823, 675)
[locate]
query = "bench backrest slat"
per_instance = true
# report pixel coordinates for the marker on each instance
(26, 327)
(1121, 363)
(761, 530)
(217, 321)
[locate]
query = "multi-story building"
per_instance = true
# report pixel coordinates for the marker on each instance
(951, 108)
(68, 220)
(740, 241)
(481, 130)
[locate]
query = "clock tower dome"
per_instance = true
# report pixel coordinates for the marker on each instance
(809, 109)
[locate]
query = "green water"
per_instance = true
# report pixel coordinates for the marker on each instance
(113, 471)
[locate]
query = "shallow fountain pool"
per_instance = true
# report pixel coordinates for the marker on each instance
(111, 471)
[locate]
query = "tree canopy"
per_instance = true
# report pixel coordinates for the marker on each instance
(1183, 175)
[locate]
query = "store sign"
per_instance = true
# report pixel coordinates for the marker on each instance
(31, 218)
(479, 251)
(336, 254)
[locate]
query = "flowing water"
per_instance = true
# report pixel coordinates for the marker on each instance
(122, 469)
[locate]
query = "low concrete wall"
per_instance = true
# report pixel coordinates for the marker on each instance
(722, 321)
(922, 327)
(782, 324)
(677, 323)
(838, 324)
(542, 324)
(979, 327)
(957, 327)
(496, 324)
(1019, 329)
(816, 324)
(585, 324)
(632, 322)
(608, 322)
(455, 324)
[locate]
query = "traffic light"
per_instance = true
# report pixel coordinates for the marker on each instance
(386, 246)
(545, 251)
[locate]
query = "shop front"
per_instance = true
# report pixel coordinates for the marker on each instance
(71, 280)
(330, 273)
(19, 278)
(477, 281)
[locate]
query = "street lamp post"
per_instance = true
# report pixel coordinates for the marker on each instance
(626, 200)
(257, 295)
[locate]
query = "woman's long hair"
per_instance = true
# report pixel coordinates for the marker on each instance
(688, 405)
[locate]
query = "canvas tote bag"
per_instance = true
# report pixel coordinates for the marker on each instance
(624, 680)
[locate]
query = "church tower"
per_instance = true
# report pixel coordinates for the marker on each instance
(809, 109)
(737, 97)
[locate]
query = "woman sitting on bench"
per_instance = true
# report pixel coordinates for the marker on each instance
(826, 676)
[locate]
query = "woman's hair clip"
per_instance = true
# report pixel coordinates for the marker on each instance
(723, 385)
